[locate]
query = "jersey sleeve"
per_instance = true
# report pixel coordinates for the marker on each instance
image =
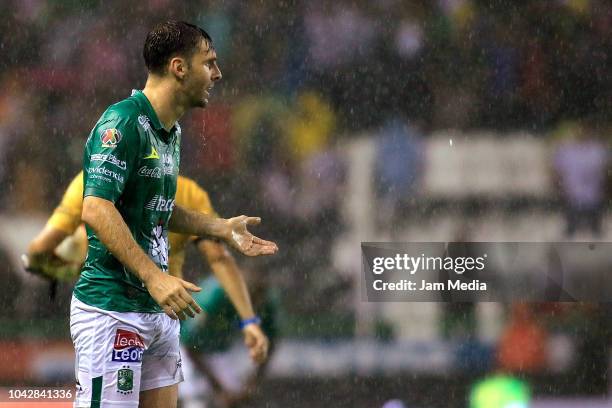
(67, 216)
(111, 153)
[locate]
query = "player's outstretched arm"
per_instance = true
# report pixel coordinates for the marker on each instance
(233, 230)
(169, 292)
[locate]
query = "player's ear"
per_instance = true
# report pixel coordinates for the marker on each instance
(178, 67)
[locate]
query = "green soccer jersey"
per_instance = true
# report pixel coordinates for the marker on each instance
(132, 161)
(216, 328)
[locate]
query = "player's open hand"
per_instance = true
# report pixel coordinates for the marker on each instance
(257, 342)
(172, 295)
(240, 238)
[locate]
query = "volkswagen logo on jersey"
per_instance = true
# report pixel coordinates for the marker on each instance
(110, 137)
(128, 346)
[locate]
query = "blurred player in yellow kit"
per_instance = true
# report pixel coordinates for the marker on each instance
(60, 249)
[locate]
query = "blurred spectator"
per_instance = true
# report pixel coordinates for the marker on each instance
(398, 169)
(309, 125)
(581, 163)
(321, 186)
(394, 403)
(340, 33)
(459, 320)
(501, 45)
(522, 348)
(278, 186)
(318, 201)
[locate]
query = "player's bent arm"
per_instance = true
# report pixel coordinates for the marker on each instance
(41, 258)
(43, 246)
(169, 292)
(226, 270)
(233, 230)
(102, 216)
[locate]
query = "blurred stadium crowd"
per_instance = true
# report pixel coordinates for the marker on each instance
(301, 79)
(298, 76)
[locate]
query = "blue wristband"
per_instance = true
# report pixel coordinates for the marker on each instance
(253, 320)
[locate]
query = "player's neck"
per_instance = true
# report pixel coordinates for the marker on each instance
(163, 98)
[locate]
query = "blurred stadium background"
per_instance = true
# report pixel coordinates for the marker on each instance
(340, 122)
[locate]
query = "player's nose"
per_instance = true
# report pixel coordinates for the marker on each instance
(216, 75)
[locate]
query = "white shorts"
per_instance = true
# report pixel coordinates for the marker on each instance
(120, 354)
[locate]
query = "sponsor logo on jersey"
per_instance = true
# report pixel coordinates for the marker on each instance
(159, 203)
(168, 163)
(125, 380)
(100, 172)
(128, 346)
(153, 154)
(153, 172)
(110, 137)
(166, 159)
(109, 158)
(145, 123)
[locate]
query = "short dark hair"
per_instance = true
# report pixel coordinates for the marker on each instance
(170, 39)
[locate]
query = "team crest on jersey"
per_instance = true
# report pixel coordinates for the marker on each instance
(110, 137)
(128, 346)
(125, 380)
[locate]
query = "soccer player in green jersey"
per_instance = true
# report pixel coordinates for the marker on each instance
(127, 348)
